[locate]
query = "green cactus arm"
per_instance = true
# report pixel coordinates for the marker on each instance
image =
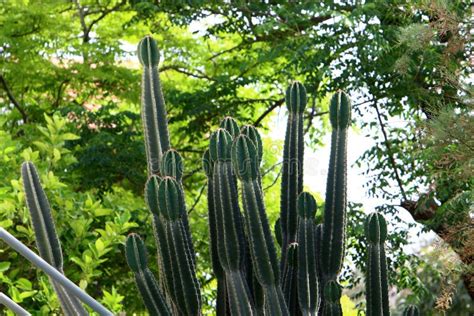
(47, 240)
(376, 280)
(336, 189)
(137, 260)
(262, 248)
(411, 310)
(308, 289)
(172, 165)
(292, 169)
(252, 133)
(289, 280)
(154, 119)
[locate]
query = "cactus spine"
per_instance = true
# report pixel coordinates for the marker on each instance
(308, 289)
(230, 241)
(137, 260)
(376, 280)
(45, 233)
(245, 161)
(411, 310)
(155, 125)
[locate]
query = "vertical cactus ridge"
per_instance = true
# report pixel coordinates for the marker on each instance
(292, 172)
(332, 296)
(231, 126)
(252, 133)
(376, 280)
(336, 190)
(46, 237)
(411, 310)
(154, 119)
(137, 260)
(172, 165)
(262, 248)
(289, 280)
(308, 289)
(220, 144)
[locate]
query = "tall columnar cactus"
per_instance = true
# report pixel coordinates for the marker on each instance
(47, 240)
(332, 296)
(137, 260)
(292, 172)
(411, 310)
(230, 238)
(165, 199)
(245, 160)
(334, 228)
(376, 280)
(153, 105)
(308, 291)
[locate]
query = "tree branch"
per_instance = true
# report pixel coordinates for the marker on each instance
(389, 152)
(13, 100)
(268, 111)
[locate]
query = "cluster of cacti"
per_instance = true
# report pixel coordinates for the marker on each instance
(250, 278)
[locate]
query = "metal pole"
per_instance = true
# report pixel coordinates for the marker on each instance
(8, 302)
(53, 273)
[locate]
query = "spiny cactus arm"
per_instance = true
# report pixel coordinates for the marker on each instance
(336, 197)
(230, 241)
(292, 172)
(137, 260)
(308, 291)
(172, 208)
(332, 296)
(262, 248)
(252, 133)
(154, 119)
(47, 240)
(376, 281)
(289, 280)
(411, 310)
(172, 165)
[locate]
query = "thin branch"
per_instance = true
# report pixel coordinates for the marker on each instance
(389, 152)
(196, 201)
(179, 69)
(268, 111)
(13, 100)
(274, 180)
(59, 93)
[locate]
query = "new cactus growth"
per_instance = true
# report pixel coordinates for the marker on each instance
(332, 296)
(137, 260)
(411, 310)
(245, 160)
(376, 280)
(308, 291)
(47, 240)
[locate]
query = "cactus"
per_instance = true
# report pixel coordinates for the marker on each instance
(376, 280)
(308, 291)
(332, 296)
(245, 161)
(155, 125)
(165, 199)
(230, 241)
(411, 310)
(47, 240)
(137, 260)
